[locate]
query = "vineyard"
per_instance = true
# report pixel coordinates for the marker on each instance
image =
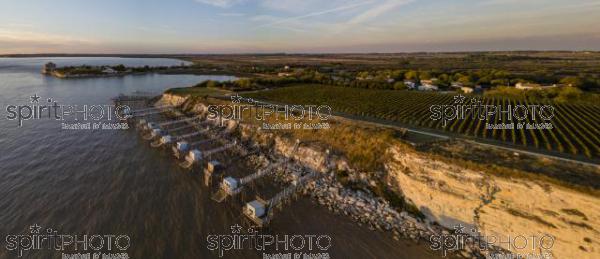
(575, 128)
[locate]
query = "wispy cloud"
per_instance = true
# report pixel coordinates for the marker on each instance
(317, 13)
(32, 41)
(368, 19)
(378, 10)
(221, 3)
(232, 14)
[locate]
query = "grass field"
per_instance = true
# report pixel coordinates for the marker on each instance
(198, 91)
(575, 130)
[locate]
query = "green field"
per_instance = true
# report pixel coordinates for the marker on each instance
(198, 91)
(575, 129)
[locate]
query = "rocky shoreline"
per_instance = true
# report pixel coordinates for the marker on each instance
(372, 212)
(448, 195)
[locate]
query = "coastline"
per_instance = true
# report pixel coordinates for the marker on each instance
(440, 195)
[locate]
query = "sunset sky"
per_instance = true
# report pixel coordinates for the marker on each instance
(247, 26)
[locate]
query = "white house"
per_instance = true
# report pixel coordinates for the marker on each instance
(166, 139)
(213, 166)
(410, 84)
(182, 146)
(467, 90)
(230, 184)
(457, 85)
(532, 86)
(108, 70)
(428, 87)
(255, 209)
(431, 81)
(194, 156)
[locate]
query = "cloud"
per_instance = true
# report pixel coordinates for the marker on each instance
(317, 13)
(232, 14)
(37, 42)
(367, 15)
(377, 10)
(302, 6)
(221, 3)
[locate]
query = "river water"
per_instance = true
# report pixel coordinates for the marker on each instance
(111, 182)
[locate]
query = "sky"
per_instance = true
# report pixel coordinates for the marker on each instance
(296, 26)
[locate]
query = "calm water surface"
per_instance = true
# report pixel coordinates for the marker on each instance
(113, 183)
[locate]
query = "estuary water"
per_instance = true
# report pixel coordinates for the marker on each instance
(111, 182)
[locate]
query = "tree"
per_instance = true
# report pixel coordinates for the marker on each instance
(244, 83)
(573, 81)
(120, 68)
(411, 75)
(400, 86)
(568, 93)
(424, 75)
(500, 82)
(211, 83)
(465, 80)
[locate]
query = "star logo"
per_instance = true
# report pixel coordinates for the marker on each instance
(35, 98)
(458, 229)
(35, 229)
(236, 229)
(459, 99)
(236, 98)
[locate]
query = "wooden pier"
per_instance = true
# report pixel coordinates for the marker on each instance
(259, 211)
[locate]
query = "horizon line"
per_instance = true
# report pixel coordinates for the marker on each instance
(288, 53)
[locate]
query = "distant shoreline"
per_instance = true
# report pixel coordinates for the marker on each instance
(184, 55)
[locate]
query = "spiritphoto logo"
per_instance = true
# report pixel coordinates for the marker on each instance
(78, 246)
(512, 116)
(279, 245)
(71, 116)
(510, 246)
(285, 116)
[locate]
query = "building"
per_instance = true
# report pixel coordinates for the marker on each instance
(467, 90)
(284, 74)
(532, 86)
(456, 85)
(360, 78)
(230, 184)
(410, 84)
(432, 81)
(108, 70)
(183, 146)
(48, 68)
(255, 209)
(166, 139)
(194, 156)
(214, 166)
(428, 85)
